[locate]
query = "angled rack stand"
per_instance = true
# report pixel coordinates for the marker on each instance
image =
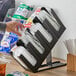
(38, 42)
(50, 64)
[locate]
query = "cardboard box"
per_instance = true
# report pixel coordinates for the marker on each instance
(71, 62)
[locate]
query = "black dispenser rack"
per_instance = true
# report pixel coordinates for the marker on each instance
(45, 44)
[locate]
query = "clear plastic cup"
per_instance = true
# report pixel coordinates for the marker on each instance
(4, 59)
(2, 69)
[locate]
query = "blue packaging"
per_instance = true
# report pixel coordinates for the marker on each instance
(1, 48)
(4, 49)
(13, 39)
(8, 43)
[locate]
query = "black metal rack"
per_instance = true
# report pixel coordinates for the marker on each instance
(42, 40)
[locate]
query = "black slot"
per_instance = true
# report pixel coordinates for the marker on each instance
(33, 51)
(56, 17)
(29, 47)
(25, 61)
(50, 27)
(42, 40)
(62, 27)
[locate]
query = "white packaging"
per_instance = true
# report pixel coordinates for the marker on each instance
(22, 51)
(44, 15)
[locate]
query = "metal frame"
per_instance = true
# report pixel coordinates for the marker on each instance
(48, 46)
